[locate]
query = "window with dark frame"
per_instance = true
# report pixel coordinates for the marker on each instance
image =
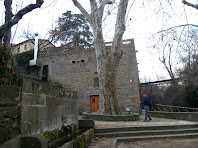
(45, 73)
(25, 47)
(18, 50)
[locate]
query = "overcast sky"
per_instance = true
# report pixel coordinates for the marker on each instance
(142, 21)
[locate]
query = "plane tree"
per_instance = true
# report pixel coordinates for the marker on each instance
(107, 60)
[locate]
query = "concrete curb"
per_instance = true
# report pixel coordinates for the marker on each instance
(132, 117)
(139, 138)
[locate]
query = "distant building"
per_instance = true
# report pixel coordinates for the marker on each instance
(29, 44)
(76, 69)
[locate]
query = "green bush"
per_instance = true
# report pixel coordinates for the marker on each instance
(192, 96)
(23, 60)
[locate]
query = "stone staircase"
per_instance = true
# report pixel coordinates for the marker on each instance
(128, 134)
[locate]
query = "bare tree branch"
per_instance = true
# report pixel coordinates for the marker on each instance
(18, 16)
(171, 28)
(93, 5)
(120, 25)
(104, 2)
(190, 4)
(84, 12)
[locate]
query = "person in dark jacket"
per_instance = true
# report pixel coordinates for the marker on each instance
(146, 103)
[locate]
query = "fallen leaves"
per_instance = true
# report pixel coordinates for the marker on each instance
(98, 139)
(137, 142)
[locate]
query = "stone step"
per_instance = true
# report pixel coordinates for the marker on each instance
(146, 132)
(167, 136)
(143, 128)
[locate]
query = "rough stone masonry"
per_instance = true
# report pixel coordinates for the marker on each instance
(76, 69)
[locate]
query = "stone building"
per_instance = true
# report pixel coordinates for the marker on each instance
(76, 69)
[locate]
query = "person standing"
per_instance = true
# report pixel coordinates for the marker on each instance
(146, 103)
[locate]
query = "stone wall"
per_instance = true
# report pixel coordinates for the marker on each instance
(9, 112)
(189, 116)
(45, 108)
(34, 108)
(76, 69)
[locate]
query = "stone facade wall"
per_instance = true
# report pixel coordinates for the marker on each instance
(45, 108)
(76, 69)
(9, 112)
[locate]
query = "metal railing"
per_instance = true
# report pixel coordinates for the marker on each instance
(168, 108)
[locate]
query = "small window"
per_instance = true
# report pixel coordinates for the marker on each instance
(25, 47)
(96, 83)
(82, 61)
(18, 50)
(73, 62)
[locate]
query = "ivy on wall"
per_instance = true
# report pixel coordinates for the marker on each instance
(23, 60)
(4, 71)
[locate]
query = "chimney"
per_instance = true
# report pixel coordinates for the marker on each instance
(34, 61)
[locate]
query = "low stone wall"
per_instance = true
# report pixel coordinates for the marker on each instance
(189, 116)
(9, 112)
(81, 141)
(129, 117)
(46, 108)
(65, 137)
(34, 108)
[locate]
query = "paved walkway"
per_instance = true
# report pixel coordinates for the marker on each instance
(110, 143)
(154, 122)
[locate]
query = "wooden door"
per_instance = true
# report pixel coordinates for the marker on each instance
(94, 103)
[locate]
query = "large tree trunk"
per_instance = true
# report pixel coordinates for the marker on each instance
(5, 51)
(107, 79)
(110, 96)
(7, 35)
(107, 59)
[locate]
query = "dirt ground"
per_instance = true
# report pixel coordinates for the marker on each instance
(167, 143)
